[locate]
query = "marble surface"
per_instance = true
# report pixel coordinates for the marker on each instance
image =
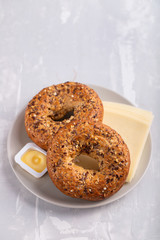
(113, 44)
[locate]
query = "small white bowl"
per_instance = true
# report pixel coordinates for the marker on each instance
(18, 160)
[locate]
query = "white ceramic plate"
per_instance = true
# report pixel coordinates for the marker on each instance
(43, 187)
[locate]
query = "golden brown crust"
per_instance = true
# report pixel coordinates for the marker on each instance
(52, 103)
(99, 142)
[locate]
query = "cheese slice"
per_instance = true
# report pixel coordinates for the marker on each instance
(133, 124)
(141, 114)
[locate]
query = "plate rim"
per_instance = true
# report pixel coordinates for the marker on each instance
(80, 206)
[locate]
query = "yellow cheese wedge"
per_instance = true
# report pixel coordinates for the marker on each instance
(133, 124)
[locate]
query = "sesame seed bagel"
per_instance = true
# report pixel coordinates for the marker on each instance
(55, 106)
(97, 141)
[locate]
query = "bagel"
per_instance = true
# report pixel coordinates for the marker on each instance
(97, 141)
(55, 106)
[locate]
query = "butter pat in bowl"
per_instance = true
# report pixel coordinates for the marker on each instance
(32, 159)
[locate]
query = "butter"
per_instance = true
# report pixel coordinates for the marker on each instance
(32, 159)
(133, 124)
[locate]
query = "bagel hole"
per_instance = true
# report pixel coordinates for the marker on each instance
(86, 162)
(59, 116)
